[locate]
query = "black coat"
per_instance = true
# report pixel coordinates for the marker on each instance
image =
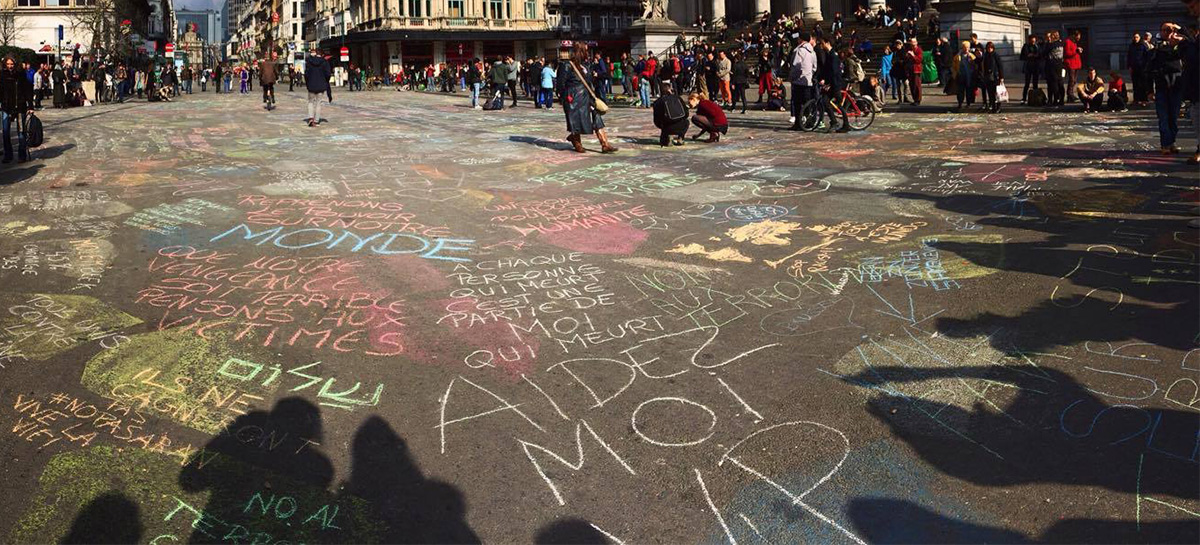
(831, 72)
(316, 74)
(576, 100)
(16, 92)
(1031, 56)
(992, 69)
(678, 127)
(740, 73)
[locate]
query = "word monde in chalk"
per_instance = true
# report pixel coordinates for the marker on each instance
(384, 243)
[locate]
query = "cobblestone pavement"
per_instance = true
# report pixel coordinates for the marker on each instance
(418, 322)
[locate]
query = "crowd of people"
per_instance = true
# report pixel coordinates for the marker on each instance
(792, 62)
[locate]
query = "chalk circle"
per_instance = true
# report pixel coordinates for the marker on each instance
(755, 212)
(867, 179)
(685, 402)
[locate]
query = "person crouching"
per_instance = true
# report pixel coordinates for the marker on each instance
(671, 117)
(709, 118)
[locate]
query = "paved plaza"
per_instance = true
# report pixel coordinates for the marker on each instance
(418, 322)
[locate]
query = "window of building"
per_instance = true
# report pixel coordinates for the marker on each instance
(531, 9)
(603, 23)
(566, 20)
(586, 20)
(456, 8)
(82, 2)
(295, 30)
(295, 9)
(495, 9)
(29, 3)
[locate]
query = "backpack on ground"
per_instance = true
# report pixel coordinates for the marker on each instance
(673, 108)
(34, 133)
(496, 103)
(1037, 98)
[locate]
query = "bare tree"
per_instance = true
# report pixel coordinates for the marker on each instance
(101, 22)
(11, 26)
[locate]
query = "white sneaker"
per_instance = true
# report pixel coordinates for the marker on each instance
(479, 107)
(792, 120)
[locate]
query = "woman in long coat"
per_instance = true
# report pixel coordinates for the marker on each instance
(577, 102)
(59, 78)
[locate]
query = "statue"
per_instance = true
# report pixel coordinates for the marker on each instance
(654, 10)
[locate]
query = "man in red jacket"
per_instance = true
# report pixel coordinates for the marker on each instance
(1073, 61)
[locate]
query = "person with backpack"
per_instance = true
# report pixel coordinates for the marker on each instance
(853, 73)
(1031, 62)
(16, 104)
(670, 116)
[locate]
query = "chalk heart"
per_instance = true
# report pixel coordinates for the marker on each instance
(613, 239)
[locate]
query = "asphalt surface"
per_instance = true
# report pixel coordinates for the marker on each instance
(420, 323)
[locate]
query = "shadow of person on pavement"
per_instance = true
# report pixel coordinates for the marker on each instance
(257, 456)
(889, 521)
(110, 518)
(570, 531)
(412, 508)
(1054, 430)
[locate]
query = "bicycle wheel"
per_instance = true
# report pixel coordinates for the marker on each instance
(863, 114)
(810, 115)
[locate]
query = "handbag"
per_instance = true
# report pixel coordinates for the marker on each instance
(1001, 93)
(34, 133)
(597, 104)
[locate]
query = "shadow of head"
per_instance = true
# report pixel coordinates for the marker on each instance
(570, 531)
(110, 518)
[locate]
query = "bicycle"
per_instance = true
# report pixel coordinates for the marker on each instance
(857, 111)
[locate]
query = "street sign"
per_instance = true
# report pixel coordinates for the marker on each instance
(345, 54)
(169, 51)
(60, 33)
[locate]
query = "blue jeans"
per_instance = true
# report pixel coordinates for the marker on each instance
(475, 88)
(187, 86)
(627, 86)
(645, 92)
(546, 97)
(22, 148)
(1166, 105)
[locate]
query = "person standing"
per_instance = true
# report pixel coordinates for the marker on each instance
(916, 58)
(1053, 60)
(1166, 69)
(992, 76)
(218, 75)
(1031, 62)
(475, 80)
(317, 72)
(1136, 57)
(1073, 60)
(268, 74)
(16, 103)
(740, 79)
(724, 71)
(39, 80)
(578, 104)
(803, 77)
(1190, 50)
(962, 69)
(59, 78)
(628, 71)
(513, 70)
(546, 90)
(187, 78)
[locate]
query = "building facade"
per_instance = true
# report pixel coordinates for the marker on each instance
(209, 25)
(1106, 26)
(385, 34)
(34, 24)
(601, 22)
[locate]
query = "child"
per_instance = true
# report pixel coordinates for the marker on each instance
(1117, 98)
(671, 117)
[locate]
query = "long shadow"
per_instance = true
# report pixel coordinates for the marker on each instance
(1055, 430)
(1129, 272)
(570, 531)
(111, 518)
(888, 521)
(540, 142)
